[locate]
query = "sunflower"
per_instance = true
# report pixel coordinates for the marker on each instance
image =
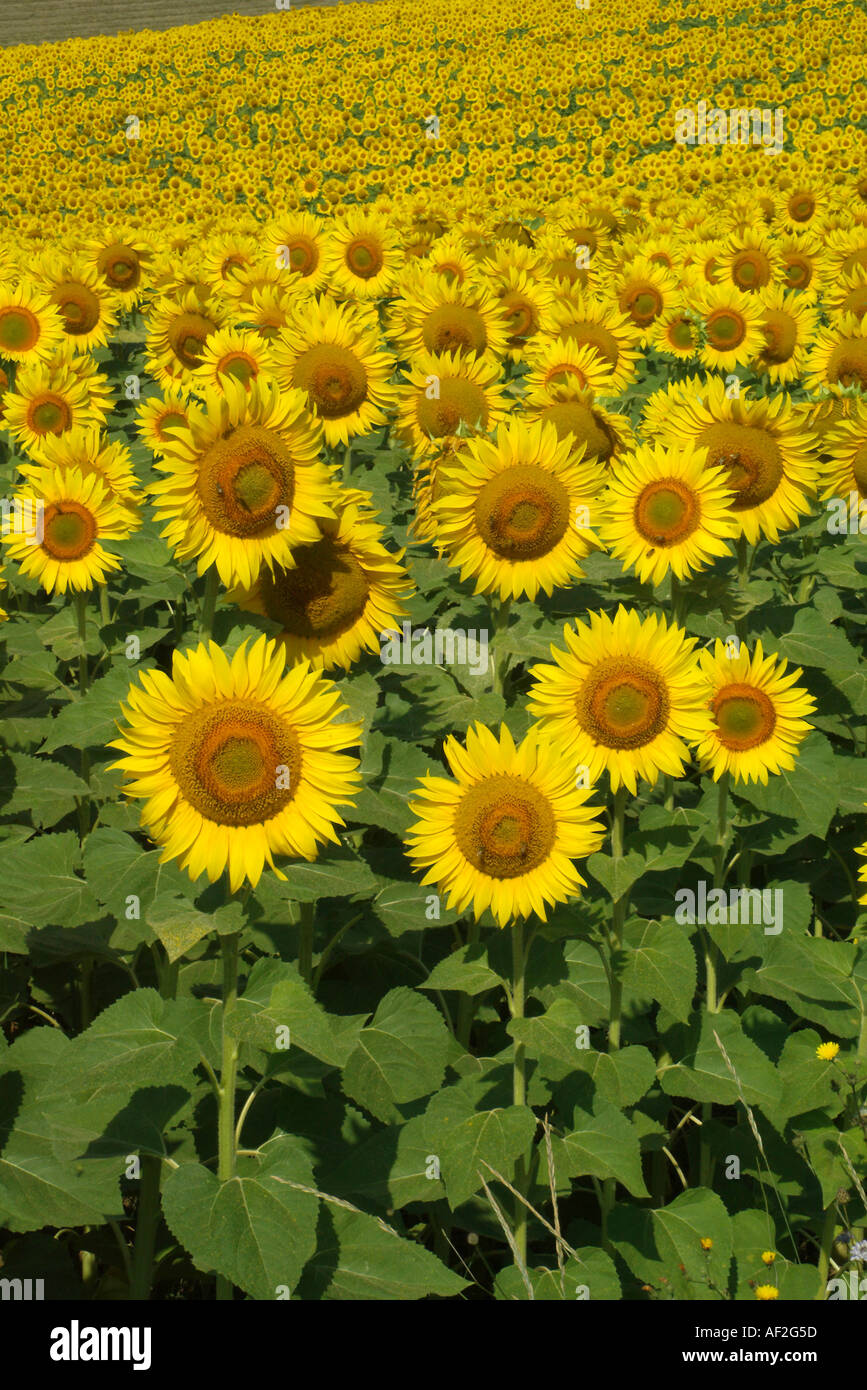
(523, 302)
(445, 393)
(158, 414)
(226, 257)
(643, 289)
(675, 334)
(803, 263)
(332, 353)
(732, 327)
(344, 591)
(234, 352)
(514, 514)
(845, 443)
(300, 243)
(800, 206)
(30, 326)
(268, 309)
(750, 260)
(364, 255)
(605, 435)
(91, 453)
(560, 370)
(503, 832)
(561, 260)
(849, 294)
(45, 403)
(121, 257)
(666, 510)
(178, 330)
(789, 326)
(839, 356)
(245, 483)
(599, 324)
(449, 258)
(237, 762)
(759, 715)
(443, 316)
(763, 445)
(78, 293)
(624, 697)
(78, 514)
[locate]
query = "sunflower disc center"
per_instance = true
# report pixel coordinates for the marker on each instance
(19, 329)
(78, 306)
(505, 827)
(50, 415)
(334, 379)
(522, 513)
(322, 597)
(575, 418)
(666, 512)
(460, 402)
(781, 336)
(848, 363)
(364, 259)
(454, 328)
(725, 329)
(753, 460)
(69, 531)
(243, 479)
(745, 717)
(236, 762)
(623, 703)
(187, 336)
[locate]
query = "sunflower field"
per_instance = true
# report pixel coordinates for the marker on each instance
(434, 472)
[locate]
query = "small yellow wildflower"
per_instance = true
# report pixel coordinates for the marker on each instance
(768, 1257)
(765, 1292)
(826, 1052)
(706, 1243)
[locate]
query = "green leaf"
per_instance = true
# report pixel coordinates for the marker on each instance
(39, 887)
(400, 1056)
(465, 1134)
(91, 720)
(661, 967)
(117, 867)
(46, 791)
(338, 874)
(807, 795)
(654, 1243)
(357, 1259)
(700, 1071)
(257, 1230)
(329, 1037)
(466, 970)
(592, 1276)
(177, 924)
(602, 1145)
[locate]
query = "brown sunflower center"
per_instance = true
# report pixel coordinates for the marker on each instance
(725, 329)
(595, 336)
(454, 328)
(624, 703)
(744, 716)
(847, 364)
(781, 336)
(19, 329)
(303, 255)
(236, 762)
(666, 512)
(460, 402)
(798, 271)
(752, 457)
(801, 207)
(505, 827)
(78, 306)
(855, 301)
(750, 270)
(334, 379)
(586, 425)
(49, 413)
(69, 530)
(522, 513)
(243, 479)
(364, 257)
(322, 597)
(522, 319)
(642, 302)
(120, 266)
(187, 335)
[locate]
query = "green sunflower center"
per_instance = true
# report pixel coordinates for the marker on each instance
(322, 597)
(751, 270)
(364, 258)
(624, 703)
(505, 827)
(666, 512)
(120, 266)
(781, 336)
(522, 513)
(725, 329)
(642, 303)
(19, 329)
(49, 414)
(187, 335)
(745, 717)
(69, 531)
(237, 762)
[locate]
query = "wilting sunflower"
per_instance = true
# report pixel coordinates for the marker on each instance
(769, 456)
(158, 414)
(845, 444)
(839, 355)
(299, 243)
(245, 483)
(515, 514)
(560, 370)
(234, 352)
(78, 293)
(732, 327)
(750, 260)
(504, 833)
(446, 392)
(789, 326)
(446, 316)
(666, 510)
(178, 330)
(91, 453)
(759, 714)
(604, 435)
(237, 762)
(121, 256)
(331, 352)
(77, 515)
(30, 326)
(45, 403)
(599, 324)
(625, 697)
(345, 590)
(364, 255)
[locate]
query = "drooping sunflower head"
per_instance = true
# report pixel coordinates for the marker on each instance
(238, 762)
(445, 394)
(515, 513)
(760, 716)
(665, 509)
(245, 484)
(342, 593)
(503, 832)
(624, 697)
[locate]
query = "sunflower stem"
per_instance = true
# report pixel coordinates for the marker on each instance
(467, 1003)
(146, 1224)
(743, 581)
(209, 604)
(619, 907)
(519, 1079)
(83, 682)
(305, 941)
(711, 963)
(347, 463)
(228, 1080)
(499, 660)
(104, 609)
